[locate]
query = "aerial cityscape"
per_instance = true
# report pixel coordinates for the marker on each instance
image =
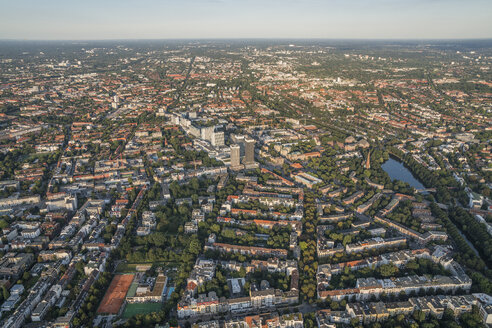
(253, 182)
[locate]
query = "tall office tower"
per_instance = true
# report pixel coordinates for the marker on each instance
(238, 139)
(195, 131)
(249, 151)
(218, 139)
(206, 133)
(235, 156)
(175, 118)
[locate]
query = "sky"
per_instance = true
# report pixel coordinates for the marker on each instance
(211, 19)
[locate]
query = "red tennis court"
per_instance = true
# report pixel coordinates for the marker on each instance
(116, 293)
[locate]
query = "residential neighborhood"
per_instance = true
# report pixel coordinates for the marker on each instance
(201, 184)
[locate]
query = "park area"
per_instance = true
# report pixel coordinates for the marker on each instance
(116, 293)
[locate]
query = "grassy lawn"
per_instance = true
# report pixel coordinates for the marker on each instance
(140, 308)
(125, 267)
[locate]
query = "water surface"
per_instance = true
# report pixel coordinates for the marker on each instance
(398, 171)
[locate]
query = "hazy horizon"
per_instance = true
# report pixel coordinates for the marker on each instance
(249, 39)
(238, 19)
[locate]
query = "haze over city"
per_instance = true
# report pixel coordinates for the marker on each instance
(198, 19)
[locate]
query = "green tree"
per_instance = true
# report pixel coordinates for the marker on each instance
(388, 270)
(3, 224)
(5, 293)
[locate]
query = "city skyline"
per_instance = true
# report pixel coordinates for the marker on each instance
(226, 19)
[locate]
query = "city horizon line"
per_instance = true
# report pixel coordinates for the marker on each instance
(252, 38)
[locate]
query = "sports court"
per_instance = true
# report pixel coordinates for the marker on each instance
(116, 293)
(140, 308)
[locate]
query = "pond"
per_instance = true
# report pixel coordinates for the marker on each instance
(396, 170)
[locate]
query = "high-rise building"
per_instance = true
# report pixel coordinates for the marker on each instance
(175, 118)
(249, 151)
(235, 155)
(207, 132)
(194, 131)
(237, 138)
(161, 112)
(217, 139)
